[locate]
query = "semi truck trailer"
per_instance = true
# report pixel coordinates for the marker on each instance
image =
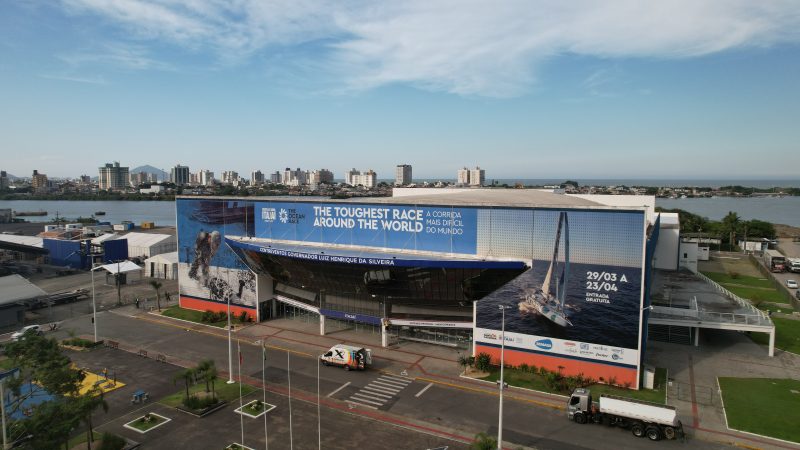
(775, 261)
(642, 418)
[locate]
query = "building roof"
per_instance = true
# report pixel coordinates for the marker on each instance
(164, 258)
(105, 237)
(122, 267)
(14, 288)
(30, 241)
(146, 239)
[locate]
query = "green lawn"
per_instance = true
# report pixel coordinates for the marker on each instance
(787, 335)
(518, 378)
(225, 392)
(6, 364)
(142, 424)
(763, 406)
(724, 278)
(195, 316)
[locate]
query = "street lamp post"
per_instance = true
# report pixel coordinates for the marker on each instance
(230, 346)
(94, 304)
(502, 385)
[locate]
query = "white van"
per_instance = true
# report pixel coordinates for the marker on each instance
(347, 356)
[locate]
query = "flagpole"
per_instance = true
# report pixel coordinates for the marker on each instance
(241, 407)
(264, 385)
(289, 375)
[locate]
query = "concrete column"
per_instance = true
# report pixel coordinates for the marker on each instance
(384, 336)
(697, 337)
(321, 325)
(274, 306)
(772, 343)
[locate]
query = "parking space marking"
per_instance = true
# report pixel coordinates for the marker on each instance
(338, 389)
(361, 404)
(423, 390)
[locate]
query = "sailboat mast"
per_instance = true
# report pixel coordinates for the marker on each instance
(565, 277)
(546, 284)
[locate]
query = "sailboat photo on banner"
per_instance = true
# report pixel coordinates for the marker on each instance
(542, 301)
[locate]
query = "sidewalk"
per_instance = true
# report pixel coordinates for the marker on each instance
(693, 370)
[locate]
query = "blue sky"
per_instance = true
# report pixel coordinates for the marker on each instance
(525, 89)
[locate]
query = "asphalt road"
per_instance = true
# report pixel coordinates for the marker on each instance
(385, 397)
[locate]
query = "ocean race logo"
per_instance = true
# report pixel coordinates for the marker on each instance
(544, 344)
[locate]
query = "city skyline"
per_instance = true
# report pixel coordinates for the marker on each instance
(686, 90)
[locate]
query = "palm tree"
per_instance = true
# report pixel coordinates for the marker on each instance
(86, 404)
(188, 376)
(207, 372)
(730, 224)
(157, 285)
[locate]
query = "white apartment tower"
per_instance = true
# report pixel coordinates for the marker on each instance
(463, 177)
(477, 177)
(402, 175)
(113, 177)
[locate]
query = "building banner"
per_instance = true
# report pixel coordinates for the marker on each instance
(580, 307)
(422, 228)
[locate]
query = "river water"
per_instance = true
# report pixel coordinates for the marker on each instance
(785, 210)
(160, 212)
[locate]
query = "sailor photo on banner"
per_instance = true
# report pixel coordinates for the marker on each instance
(209, 269)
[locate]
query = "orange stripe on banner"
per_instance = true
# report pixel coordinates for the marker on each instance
(204, 305)
(567, 366)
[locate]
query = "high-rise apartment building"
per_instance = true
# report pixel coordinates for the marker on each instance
(368, 179)
(256, 178)
(471, 177)
(463, 177)
(205, 177)
(477, 177)
(230, 177)
(275, 177)
(3, 179)
(402, 175)
(295, 177)
(179, 175)
(320, 176)
(38, 181)
(140, 178)
(113, 177)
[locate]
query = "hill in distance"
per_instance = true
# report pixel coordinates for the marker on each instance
(152, 170)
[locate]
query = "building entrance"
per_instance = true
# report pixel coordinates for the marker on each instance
(450, 337)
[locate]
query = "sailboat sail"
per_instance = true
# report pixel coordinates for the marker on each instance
(541, 300)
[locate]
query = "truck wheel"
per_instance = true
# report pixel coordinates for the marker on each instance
(669, 433)
(637, 429)
(653, 433)
(580, 418)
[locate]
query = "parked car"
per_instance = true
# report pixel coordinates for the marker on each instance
(30, 329)
(791, 284)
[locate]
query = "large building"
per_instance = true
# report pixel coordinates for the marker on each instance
(402, 175)
(39, 181)
(3, 180)
(571, 272)
(471, 177)
(256, 178)
(462, 177)
(179, 175)
(368, 178)
(113, 177)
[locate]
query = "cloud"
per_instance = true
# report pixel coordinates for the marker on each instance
(466, 47)
(74, 78)
(133, 57)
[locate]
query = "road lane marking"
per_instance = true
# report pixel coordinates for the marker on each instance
(364, 398)
(382, 389)
(386, 386)
(492, 393)
(369, 390)
(338, 389)
(392, 382)
(424, 389)
(396, 379)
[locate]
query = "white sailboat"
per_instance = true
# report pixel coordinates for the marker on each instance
(541, 301)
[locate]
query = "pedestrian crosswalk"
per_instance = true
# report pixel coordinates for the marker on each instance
(379, 391)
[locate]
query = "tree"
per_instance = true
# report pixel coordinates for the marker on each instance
(157, 285)
(483, 442)
(86, 404)
(188, 376)
(730, 226)
(207, 371)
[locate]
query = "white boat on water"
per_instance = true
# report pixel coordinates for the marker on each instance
(542, 301)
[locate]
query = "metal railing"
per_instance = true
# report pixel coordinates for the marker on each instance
(710, 316)
(744, 303)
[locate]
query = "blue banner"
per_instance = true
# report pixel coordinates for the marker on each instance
(363, 318)
(424, 228)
